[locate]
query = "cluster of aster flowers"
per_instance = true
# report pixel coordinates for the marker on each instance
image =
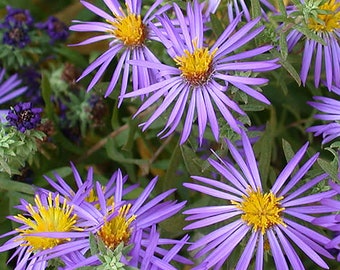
(66, 224)
(173, 68)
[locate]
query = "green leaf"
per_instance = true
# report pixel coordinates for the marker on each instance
(93, 245)
(169, 180)
(288, 150)
(290, 69)
(191, 161)
(283, 46)
(255, 8)
(10, 185)
(330, 168)
(46, 92)
(309, 34)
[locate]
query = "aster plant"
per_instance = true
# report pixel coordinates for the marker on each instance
(18, 16)
(320, 18)
(49, 214)
(267, 222)
(24, 116)
(128, 33)
(200, 82)
(103, 212)
(55, 28)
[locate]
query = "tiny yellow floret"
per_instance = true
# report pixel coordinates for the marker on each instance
(330, 21)
(118, 229)
(196, 66)
(261, 210)
(93, 198)
(51, 218)
(129, 29)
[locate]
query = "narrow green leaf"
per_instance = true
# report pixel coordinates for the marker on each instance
(191, 161)
(330, 168)
(283, 46)
(288, 150)
(169, 180)
(290, 69)
(255, 8)
(11, 185)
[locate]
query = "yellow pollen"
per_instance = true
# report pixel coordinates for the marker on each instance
(129, 29)
(93, 198)
(118, 229)
(261, 211)
(51, 218)
(331, 20)
(197, 66)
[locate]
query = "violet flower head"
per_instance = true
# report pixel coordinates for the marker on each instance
(24, 117)
(197, 87)
(50, 214)
(55, 28)
(330, 114)
(16, 36)
(326, 57)
(261, 220)
(17, 16)
(103, 211)
(128, 34)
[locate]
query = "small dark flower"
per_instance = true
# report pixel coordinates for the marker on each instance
(55, 28)
(17, 16)
(16, 36)
(24, 117)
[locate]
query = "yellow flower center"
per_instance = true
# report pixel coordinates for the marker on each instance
(330, 21)
(118, 229)
(261, 211)
(129, 29)
(197, 66)
(54, 217)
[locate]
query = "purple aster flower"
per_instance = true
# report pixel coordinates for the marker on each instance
(326, 57)
(121, 220)
(278, 220)
(24, 117)
(128, 34)
(50, 214)
(199, 84)
(16, 36)
(55, 28)
(17, 16)
(330, 109)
